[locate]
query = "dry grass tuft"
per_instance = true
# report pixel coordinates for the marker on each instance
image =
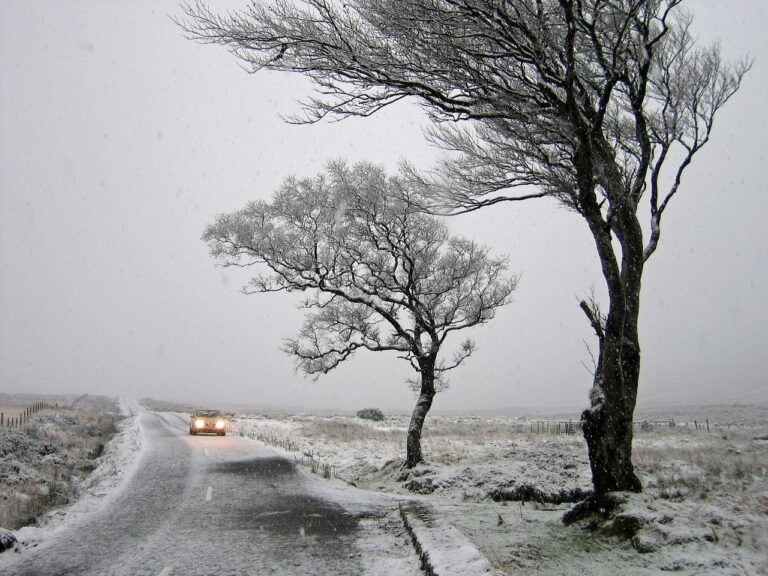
(682, 466)
(29, 500)
(345, 430)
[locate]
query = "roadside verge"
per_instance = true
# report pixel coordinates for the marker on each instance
(444, 551)
(117, 462)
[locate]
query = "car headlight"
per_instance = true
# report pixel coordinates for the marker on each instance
(199, 423)
(220, 424)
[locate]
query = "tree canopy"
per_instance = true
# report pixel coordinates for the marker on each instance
(382, 274)
(599, 104)
(616, 84)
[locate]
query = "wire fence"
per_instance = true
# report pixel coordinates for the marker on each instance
(574, 426)
(25, 414)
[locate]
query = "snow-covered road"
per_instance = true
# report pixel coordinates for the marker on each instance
(211, 505)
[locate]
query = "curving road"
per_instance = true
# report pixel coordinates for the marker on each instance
(207, 505)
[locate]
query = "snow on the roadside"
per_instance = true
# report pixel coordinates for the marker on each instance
(120, 456)
(495, 464)
(704, 509)
(118, 462)
(442, 547)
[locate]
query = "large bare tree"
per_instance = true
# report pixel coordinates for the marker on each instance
(600, 104)
(383, 275)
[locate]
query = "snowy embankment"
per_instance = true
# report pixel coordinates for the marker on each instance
(120, 455)
(116, 463)
(704, 509)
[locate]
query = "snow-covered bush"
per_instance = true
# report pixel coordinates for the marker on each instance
(371, 414)
(43, 464)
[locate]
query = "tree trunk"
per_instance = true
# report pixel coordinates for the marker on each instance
(423, 404)
(607, 427)
(607, 423)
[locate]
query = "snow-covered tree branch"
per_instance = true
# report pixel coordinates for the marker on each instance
(383, 275)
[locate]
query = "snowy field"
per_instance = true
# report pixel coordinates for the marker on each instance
(704, 509)
(505, 485)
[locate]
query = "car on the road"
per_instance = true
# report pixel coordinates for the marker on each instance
(208, 422)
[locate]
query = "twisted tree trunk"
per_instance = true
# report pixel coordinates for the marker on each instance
(607, 423)
(423, 404)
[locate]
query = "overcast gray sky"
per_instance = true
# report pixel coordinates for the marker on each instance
(120, 140)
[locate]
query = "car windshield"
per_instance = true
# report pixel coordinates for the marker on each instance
(207, 413)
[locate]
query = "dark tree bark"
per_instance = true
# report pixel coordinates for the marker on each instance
(607, 423)
(423, 404)
(607, 427)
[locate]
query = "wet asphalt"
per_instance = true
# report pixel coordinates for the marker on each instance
(207, 505)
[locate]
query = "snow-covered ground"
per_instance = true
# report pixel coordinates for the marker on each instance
(117, 462)
(505, 487)
(704, 509)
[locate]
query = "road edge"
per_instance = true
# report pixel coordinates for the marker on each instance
(442, 549)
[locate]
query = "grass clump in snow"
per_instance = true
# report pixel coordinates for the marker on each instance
(676, 466)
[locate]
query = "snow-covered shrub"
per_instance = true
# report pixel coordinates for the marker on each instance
(43, 464)
(371, 414)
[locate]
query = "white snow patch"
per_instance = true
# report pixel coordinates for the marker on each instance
(442, 547)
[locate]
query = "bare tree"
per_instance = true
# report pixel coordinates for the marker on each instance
(383, 275)
(600, 104)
